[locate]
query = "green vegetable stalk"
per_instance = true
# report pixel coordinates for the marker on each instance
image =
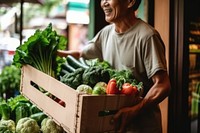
(40, 51)
(21, 110)
(5, 111)
(6, 124)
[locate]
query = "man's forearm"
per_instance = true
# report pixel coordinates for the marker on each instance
(64, 53)
(159, 91)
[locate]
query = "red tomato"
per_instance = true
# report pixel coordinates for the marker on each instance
(112, 87)
(128, 89)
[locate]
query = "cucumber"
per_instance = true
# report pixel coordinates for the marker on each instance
(38, 117)
(75, 63)
(63, 72)
(67, 67)
(82, 60)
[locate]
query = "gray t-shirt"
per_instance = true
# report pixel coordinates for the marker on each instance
(140, 49)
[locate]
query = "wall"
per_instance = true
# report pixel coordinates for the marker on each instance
(161, 23)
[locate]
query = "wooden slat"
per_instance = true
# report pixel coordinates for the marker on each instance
(65, 116)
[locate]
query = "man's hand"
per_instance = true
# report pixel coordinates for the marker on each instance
(124, 117)
(65, 53)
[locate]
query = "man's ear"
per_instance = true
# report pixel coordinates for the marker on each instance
(131, 3)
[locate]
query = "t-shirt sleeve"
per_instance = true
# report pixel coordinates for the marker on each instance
(93, 48)
(154, 57)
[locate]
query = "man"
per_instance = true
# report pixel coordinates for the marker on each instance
(130, 43)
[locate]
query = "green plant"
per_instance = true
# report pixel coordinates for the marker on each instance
(9, 81)
(40, 51)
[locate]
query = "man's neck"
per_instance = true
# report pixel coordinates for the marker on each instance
(125, 23)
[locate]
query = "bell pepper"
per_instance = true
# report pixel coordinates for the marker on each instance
(112, 87)
(129, 89)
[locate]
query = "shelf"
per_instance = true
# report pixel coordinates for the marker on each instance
(195, 51)
(194, 75)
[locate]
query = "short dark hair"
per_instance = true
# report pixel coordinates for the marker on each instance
(136, 5)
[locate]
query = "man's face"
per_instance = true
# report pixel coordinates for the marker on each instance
(115, 10)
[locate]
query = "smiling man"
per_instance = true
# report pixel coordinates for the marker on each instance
(130, 43)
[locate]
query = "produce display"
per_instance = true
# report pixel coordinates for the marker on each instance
(19, 115)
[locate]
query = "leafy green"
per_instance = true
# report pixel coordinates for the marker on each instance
(5, 111)
(95, 74)
(40, 51)
(12, 102)
(21, 110)
(98, 62)
(10, 79)
(125, 76)
(73, 79)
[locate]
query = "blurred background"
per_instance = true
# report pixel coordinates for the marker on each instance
(20, 18)
(77, 20)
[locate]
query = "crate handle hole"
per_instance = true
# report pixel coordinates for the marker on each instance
(56, 99)
(107, 112)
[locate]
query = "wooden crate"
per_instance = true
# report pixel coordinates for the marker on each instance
(82, 114)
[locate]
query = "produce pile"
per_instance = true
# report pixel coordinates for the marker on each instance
(97, 77)
(19, 115)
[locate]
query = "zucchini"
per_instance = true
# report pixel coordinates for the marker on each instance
(67, 67)
(75, 63)
(63, 72)
(82, 60)
(38, 117)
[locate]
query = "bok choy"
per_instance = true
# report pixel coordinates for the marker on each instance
(40, 51)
